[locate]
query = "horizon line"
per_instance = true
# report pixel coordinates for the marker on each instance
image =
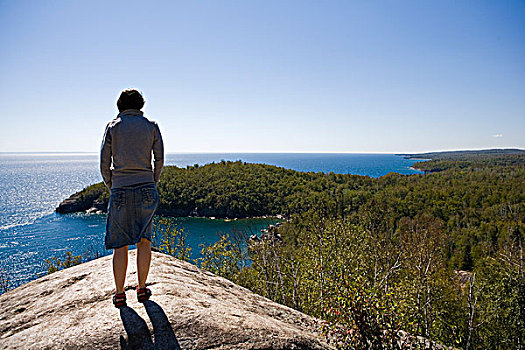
(271, 152)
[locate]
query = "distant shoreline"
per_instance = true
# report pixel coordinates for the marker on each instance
(432, 155)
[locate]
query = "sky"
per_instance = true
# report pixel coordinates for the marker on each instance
(266, 76)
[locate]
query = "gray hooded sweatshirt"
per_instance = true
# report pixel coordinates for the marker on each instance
(126, 152)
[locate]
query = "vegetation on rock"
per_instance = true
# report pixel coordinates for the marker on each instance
(55, 264)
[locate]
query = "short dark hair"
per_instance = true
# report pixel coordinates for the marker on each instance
(130, 99)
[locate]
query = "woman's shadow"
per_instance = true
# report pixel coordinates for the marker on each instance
(139, 336)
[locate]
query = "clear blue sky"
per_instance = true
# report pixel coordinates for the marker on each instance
(266, 76)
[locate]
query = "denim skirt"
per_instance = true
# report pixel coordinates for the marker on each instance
(130, 214)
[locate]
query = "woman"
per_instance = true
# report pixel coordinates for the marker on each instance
(126, 166)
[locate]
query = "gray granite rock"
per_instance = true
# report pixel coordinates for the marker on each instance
(190, 309)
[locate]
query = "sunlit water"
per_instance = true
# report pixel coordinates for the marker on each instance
(32, 185)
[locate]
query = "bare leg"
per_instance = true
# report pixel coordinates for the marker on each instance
(143, 261)
(120, 264)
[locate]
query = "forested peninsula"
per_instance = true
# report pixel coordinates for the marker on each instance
(439, 255)
(239, 190)
(466, 190)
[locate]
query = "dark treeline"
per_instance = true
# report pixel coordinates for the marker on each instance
(236, 189)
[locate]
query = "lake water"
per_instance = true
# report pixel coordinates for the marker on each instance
(33, 184)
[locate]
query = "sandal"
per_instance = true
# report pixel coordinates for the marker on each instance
(119, 300)
(143, 294)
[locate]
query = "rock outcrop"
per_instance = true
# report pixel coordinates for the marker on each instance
(190, 309)
(82, 201)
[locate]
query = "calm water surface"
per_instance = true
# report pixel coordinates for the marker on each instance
(32, 185)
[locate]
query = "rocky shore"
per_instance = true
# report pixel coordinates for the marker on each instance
(82, 201)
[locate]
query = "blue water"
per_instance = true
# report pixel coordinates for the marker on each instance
(32, 185)
(374, 165)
